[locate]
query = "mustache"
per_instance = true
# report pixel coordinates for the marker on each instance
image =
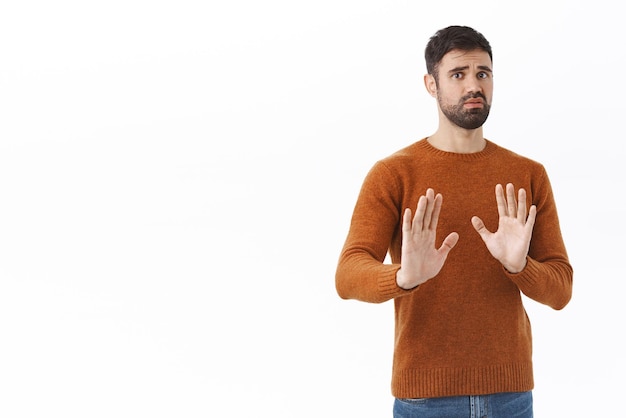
(474, 96)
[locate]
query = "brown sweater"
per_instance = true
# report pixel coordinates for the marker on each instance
(465, 331)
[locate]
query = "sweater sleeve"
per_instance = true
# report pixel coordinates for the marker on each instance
(361, 273)
(548, 275)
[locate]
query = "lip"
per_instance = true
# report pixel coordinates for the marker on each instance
(474, 103)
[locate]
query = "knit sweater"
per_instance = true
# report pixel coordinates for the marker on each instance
(465, 331)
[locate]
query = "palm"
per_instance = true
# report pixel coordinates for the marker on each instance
(510, 243)
(420, 256)
(421, 261)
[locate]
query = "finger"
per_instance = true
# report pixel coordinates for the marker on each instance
(511, 203)
(479, 226)
(418, 219)
(501, 201)
(406, 222)
(436, 210)
(530, 222)
(430, 203)
(449, 243)
(521, 205)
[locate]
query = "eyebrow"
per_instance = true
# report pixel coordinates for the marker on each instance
(480, 67)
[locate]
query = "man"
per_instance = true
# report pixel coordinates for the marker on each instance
(462, 258)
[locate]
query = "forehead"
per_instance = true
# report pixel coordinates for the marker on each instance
(457, 58)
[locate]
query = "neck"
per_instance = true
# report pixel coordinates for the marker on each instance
(458, 140)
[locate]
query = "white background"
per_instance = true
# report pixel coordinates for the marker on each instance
(177, 179)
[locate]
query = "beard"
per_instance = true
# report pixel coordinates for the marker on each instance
(466, 118)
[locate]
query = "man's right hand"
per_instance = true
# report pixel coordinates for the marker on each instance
(421, 261)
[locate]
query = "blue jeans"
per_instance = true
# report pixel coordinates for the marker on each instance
(498, 405)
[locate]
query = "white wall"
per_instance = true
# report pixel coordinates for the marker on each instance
(177, 178)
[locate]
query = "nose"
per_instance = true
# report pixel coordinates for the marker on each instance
(473, 85)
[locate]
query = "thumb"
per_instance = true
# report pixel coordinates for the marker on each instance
(479, 226)
(449, 242)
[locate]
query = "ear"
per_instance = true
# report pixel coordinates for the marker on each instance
(431, 85)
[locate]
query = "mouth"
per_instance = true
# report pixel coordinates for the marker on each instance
(473, 103)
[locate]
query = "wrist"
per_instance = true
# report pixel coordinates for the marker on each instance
(402, 282)
(515, 269)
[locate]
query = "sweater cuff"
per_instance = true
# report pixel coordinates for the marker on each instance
(526, 278)
(388, 286)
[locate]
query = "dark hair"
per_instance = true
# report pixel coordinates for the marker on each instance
(453, 37)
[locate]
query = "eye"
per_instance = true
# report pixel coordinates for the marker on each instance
(483, 75)
(457, 75)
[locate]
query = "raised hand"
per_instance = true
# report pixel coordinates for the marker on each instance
(421, 261)
(509, 244)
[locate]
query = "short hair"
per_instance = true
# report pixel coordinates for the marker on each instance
(445, 40)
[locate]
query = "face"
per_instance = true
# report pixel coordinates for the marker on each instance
(464, 87)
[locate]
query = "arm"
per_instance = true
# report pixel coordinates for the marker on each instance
(361, 273)
(538, 266)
